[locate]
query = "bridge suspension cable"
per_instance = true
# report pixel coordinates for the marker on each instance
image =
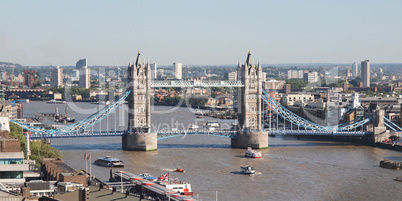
(293, 118)
(392, 125)
(81, 125)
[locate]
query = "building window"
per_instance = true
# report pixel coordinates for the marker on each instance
(11, 161)
(11, 175)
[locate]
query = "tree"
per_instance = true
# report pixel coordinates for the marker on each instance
(16, 132)
(355, 82)
(368, 93)
(297, 83)
(40, 150)
(196, 102)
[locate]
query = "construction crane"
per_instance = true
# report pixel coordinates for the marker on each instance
(12, 76)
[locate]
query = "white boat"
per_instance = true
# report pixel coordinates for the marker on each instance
(198, 112)
(193, 127)
(147, 176)
(176, 185)
(109, 161)
(212, 125)
(246, 169)
(250, 153)
(101, 102)
(56, 101)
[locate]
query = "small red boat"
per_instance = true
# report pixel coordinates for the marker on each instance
(178, 170)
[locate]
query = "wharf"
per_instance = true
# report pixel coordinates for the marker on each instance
(144, 188)
(137, 190)
(103, 194)
(391, 146)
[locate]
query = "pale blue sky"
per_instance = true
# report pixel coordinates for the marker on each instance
(200, 32)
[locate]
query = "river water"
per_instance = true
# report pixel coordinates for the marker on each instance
(290, 169)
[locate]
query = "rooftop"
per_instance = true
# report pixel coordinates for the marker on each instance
(66, 168)
(106, 195)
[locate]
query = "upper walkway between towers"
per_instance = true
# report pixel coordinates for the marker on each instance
(196, 83)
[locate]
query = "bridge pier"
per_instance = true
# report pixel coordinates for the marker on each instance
(138, 137)
(139, 141)
(250, 109)
(255, 140)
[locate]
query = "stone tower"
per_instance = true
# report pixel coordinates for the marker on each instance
(139, 136)
(249, 109)
(380, 131)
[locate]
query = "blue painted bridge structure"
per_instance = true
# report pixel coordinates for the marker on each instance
(77, 129)
(225, 134)
(251, 97)
(95, 118)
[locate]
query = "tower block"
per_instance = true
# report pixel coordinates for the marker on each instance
(249, 109)
(138, 136)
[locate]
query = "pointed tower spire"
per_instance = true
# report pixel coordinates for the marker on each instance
(259, 63)
(248, 58)
(148, 65)
(138, 58)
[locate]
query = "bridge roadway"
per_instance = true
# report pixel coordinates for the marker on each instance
(227, 134)
(319, 133)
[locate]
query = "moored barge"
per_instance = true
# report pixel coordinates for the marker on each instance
(386, 163)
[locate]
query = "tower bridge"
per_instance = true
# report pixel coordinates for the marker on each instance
(249, 88)
(250, 133)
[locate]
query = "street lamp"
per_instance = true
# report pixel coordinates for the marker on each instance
(121, 180)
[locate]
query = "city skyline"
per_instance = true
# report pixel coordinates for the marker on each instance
(200, 33)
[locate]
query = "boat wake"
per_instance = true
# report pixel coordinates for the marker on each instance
(167, 169)
(239, 172)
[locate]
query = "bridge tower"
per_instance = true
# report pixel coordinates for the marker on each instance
(138, 136)
(249, 108)
(380, 131)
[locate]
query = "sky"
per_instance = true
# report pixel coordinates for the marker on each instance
(217, 32)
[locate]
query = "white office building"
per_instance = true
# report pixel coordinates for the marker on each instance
(178, 74)
(355, 69)
(57, 77)
(365, 70)
(295, 74)
(311, 76)
(12, 163)
(232, 76)
(85, 78)
(154, 70)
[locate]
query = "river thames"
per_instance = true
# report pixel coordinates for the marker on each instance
(291, 169)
